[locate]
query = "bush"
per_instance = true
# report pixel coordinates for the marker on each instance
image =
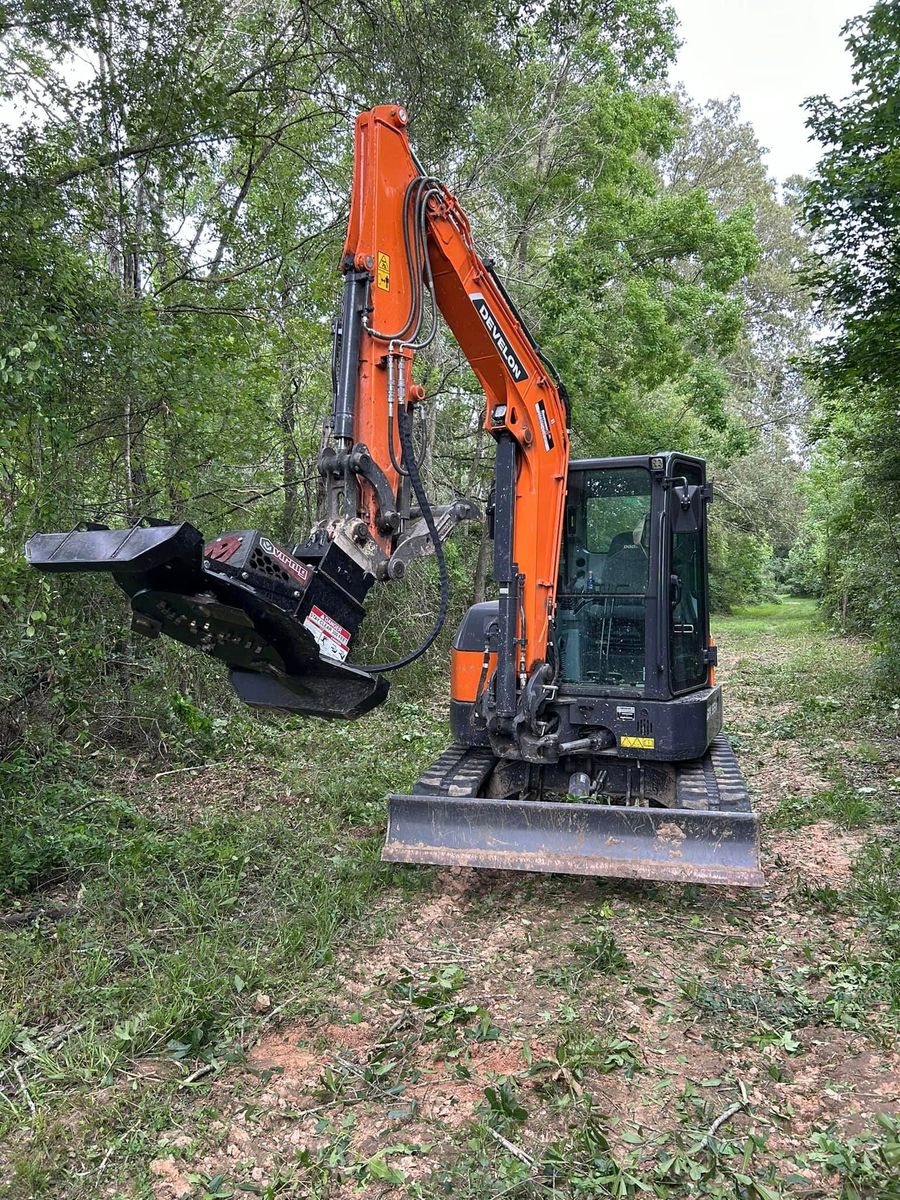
(741, 568)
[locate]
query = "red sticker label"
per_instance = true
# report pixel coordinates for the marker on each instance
(333, 639)
(222, 548)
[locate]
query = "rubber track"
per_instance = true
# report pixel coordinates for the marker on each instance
(713, 783)
(460, 771)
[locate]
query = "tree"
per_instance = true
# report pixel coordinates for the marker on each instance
(853, 210)
(757, 471)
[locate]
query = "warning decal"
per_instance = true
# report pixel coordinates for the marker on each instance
(637, 743)
(544, 423)
(383, 277)
(333, 639)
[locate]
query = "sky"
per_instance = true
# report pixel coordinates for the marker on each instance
(773, 54)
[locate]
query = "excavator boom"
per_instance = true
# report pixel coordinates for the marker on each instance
(409, 252)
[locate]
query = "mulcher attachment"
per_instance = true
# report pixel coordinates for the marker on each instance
(715, 840)
(283, 623)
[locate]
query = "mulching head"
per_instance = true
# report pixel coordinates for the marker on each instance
(283, 624)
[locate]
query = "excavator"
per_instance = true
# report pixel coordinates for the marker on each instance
(586, 718)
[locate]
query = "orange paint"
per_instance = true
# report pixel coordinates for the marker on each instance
(465, 673)
(502, 357)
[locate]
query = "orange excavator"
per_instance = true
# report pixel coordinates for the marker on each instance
(583, 704)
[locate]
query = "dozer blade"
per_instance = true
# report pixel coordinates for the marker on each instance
(670, 845)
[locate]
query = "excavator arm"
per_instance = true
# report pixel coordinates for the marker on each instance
(285, 620)
(409, 253)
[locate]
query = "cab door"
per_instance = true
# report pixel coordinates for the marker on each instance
(688, 600)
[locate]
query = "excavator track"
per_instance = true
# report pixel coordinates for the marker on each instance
(713, 783)
(710, 837)
(459, 771)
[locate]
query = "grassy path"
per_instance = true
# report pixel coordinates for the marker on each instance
(265, 1010)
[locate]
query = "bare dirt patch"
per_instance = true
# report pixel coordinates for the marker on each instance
(819, 854)
(168, 1180)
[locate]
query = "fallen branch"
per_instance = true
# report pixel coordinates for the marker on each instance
(180, 770)
(717, 1124)
(24, 1090)
(513, 1149)
(198, 1074)
(17, 919)
(73, 812)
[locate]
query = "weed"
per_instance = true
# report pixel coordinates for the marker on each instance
(504, 1105)
(597, 954)
(824, 897)
(578, 1051)
(867, 752)
(436, 996)
(601, 953)
(867, 1165)
(845, 806)
(780, 1005)
(586, 1164)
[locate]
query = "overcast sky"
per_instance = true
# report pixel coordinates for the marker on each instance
(773, 54)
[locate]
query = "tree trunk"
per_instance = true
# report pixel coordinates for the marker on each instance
(482, 564)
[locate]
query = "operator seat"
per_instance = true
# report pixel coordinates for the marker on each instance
(625, 569)
(619, 542)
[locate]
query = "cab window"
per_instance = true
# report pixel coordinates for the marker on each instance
(600, 625)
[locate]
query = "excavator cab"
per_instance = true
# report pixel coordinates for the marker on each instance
(632, 607)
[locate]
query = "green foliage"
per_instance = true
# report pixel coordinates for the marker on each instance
(40, 842)
(741, 568)
(868, 1165)
(166, 918)
(853, 206)
(503, 1104)
(848, 550)
(804, 571)
(853, 211)
(847, 807)
(601, 953)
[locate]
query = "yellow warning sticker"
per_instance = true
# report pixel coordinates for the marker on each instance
(636, 743)
(383, 277)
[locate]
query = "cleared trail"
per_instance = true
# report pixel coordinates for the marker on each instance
(512, 1035)
(236, 998)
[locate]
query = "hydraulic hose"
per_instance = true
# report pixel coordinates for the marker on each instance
(409, 457)
(415, 203)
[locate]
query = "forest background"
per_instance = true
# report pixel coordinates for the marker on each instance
(173, 195)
